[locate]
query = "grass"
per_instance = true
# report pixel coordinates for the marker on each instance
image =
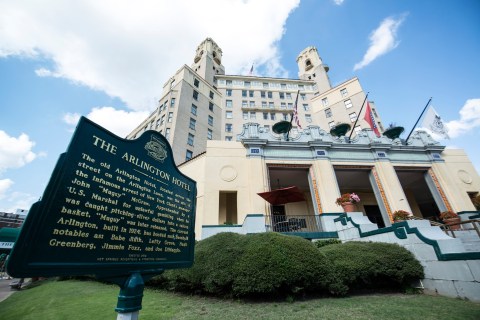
(90, 300)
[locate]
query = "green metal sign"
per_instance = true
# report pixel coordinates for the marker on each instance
(113, 207)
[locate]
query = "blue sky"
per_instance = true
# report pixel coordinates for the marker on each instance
(108, 60)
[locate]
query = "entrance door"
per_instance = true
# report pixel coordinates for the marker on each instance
(278, 218)
(374, 215)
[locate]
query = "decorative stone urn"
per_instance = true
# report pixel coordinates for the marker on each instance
(340, 129)
(393, 132)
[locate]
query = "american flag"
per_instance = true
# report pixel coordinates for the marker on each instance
(251, 70)
(295, 112)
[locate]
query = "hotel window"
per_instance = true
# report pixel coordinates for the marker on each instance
(281, 95)
(348, 103)
(353, 116)
(265, 116)
(344, 92)
(158, 123)
(227, 138)
(162, 120)
(229, 103)
(283, 105)
(308, 118)
(328, 113)
(167, 133)
(306, 107)
(172, 103)
(331, 124)
(244, 104)
(195, 94)
(229, 114)
(271, 105)
(252, 104)
(265, 85)
(245, 115)
(289, 96)
(210, 106)
(269, 94)
(247, 84)
(229, 83)
(250, 93)
(325, 102)
(209, 134)
(283, 86)
(303, 96)
(264, 104)
(267, 127)
(228, 127)
(301, 87)
(188, 155)
(272, 116)
(196, 83)
(244, 93)
(290, 105)
(210, 120)
(194, 109)
(170, 117)
(253, 115)
(211, 94)
(229, 92)
(262, 94)
(357, 129)
(192, 123)
(190, 139)
(285, 116)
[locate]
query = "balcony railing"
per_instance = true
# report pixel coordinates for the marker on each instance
(293, 223)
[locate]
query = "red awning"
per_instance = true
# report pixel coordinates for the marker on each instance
(282, 196)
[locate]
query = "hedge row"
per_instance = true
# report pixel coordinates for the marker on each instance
(274, 265)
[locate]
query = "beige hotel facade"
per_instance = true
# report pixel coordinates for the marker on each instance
(220, 130)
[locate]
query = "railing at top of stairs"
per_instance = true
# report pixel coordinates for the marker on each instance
(450, 229)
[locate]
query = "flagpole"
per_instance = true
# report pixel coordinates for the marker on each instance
(351, 132)
(406, 140)
(293, 112)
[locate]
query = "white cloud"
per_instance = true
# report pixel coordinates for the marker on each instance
(338, 2)
(119, 122)
(469, 119)
(129, 49)
(15, 152)
(5, 184)
(17, 200)
(382, 40)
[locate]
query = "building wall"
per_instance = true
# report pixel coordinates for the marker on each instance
(207, 76)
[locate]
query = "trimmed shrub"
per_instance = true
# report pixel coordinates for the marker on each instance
(257, 265)
(326, 242)
(371, 265)
(279, 265)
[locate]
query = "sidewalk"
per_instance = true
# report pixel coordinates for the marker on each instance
(5, 290)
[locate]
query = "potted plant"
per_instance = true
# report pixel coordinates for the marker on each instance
(340, 129)
(393, 131)
(401, 215)
(451, 219)
(348, 201)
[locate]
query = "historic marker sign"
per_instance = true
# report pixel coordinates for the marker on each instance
(112, 207)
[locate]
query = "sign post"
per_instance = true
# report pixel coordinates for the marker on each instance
(114, 208)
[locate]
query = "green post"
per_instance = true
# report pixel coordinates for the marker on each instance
(130, 297)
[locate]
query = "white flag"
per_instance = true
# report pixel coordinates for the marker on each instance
(433, 122)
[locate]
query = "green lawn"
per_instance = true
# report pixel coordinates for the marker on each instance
(90, 300)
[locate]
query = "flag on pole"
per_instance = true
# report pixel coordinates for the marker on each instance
(433, 122)
(295, 112)
(371, 120)
(251, 70)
